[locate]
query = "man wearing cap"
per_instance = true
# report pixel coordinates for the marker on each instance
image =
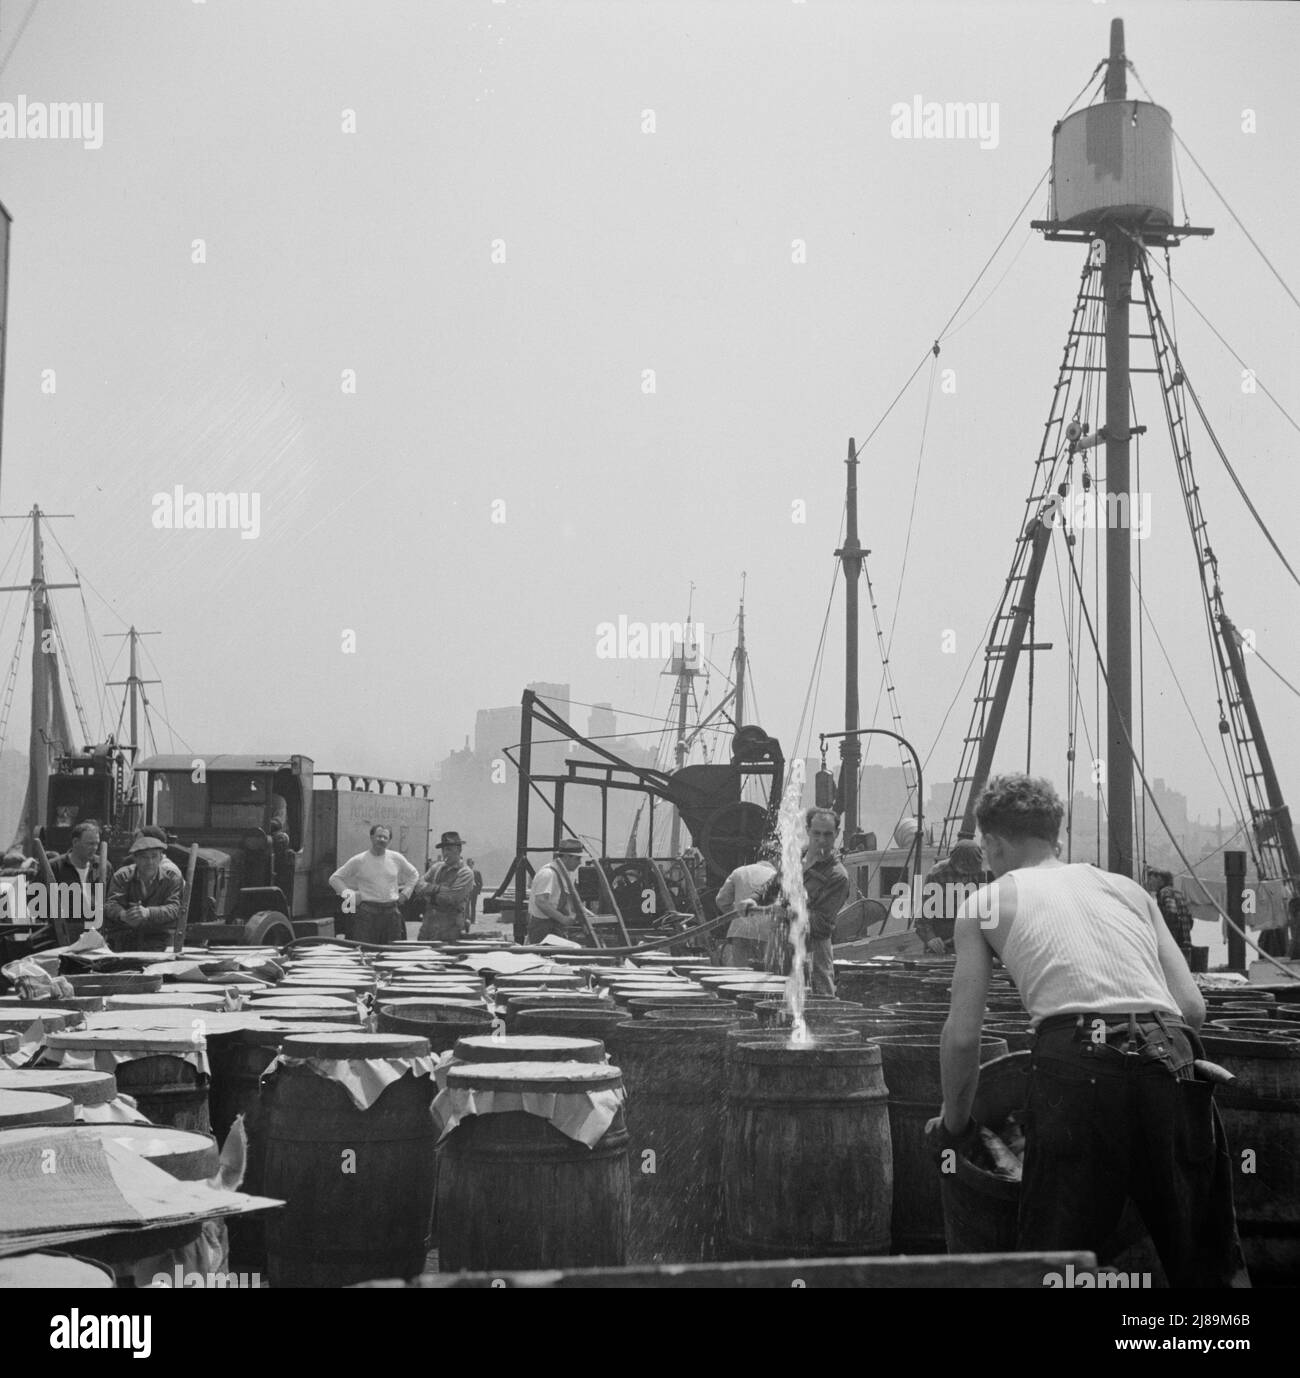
(448, 891)
(144, 900)
(552, 897)
(373, 885)
(948, 885)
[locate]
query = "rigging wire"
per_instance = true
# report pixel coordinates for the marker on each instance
(1253, 244)
(1155, 804)
(933, 349)
(1259, 382)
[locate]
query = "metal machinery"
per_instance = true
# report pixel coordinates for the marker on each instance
(640, 896)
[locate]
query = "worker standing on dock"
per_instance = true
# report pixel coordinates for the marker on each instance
(373, 885)
(747, 936)
(144, 900)
(826, 884)
(448, 889)
(551, 898)
(1173, 907)
(1117, 1107)
(963, 867)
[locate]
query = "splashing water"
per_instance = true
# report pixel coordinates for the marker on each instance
(794, 837)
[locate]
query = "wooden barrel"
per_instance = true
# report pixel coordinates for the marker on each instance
(528, 1048)
(189, 1157)
(911, 1070)
(149, 1065)
(86, 1004)
(55, 1019)
(865, 983)
(1261, 1112)
(164, 999)
(358, 1184)
(587, 1021)
(81, 1088)
(34, 1107)
(116, 983)
(807, 1163)
(514, 1192)
(439, 1022)
(555, 1000)
(777, 1012)
(11, 1042)
(727, 1016)
(238, 1057)
(675, 1077)
(564, 980)
(53, 1270)
(641, 1005)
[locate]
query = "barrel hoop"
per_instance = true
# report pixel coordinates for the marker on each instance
(814, 1102)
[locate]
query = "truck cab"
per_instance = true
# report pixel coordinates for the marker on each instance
(251, 818)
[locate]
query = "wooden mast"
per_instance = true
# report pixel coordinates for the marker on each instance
(850, 556)
(1117, 277)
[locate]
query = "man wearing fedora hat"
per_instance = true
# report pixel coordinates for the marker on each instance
(448, 889)
(144, 900)
(552, 898)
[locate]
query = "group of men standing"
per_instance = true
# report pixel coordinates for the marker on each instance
(375, 886)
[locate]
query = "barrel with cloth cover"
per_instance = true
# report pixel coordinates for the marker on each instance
(532, 1168)
(349, 1148)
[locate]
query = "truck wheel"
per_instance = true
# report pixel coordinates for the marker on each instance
(268, 929)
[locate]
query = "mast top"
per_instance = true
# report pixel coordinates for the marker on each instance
(1117, 65)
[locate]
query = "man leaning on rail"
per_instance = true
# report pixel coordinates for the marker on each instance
(1118, 1108)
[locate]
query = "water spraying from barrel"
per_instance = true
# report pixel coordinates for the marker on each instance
(793, 835)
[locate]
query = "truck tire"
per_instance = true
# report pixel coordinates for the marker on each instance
(268, 929)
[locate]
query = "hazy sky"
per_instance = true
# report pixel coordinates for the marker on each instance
(515, 388)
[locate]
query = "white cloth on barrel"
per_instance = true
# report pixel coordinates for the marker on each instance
(120, 1110)
(364, 1079)
(109, 1059)
(580, 1115)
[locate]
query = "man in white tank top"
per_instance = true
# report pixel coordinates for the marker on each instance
(1116, 1110)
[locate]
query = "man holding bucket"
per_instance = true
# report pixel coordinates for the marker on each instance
(1120, 1098)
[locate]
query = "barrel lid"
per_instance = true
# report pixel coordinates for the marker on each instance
(271, 1033)
(28, 1107)
(307, 1002)
(595, 1014)
(436, 994)
(156, 1041)
(490, 1048)
(148, 1140)
(777, 1052)
(164, 1000)
(53, 1270)
(645, 1031)
(343, 1044)
(524, 978)
(545, 999)
(18, 1017)
(555, 1077)
(411, 1004)
(80, 1087)
(283, 992)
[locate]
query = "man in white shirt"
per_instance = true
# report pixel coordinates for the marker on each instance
(1117, 1109)
(747, 938)
(373, 884)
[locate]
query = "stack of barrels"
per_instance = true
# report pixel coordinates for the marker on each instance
(1255, 1034)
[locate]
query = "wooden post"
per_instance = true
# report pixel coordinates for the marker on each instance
(178, 942)
(54, 911)
(1234, 872)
